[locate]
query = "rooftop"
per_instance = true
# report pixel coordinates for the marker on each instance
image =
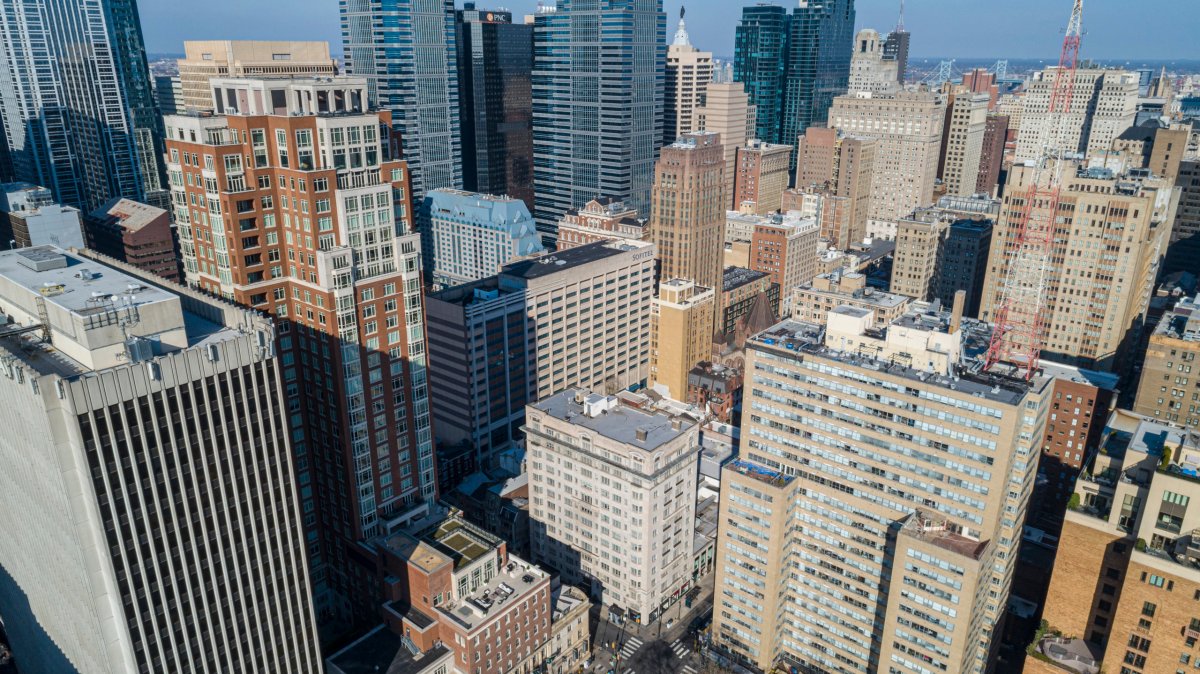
(464, 542)
(807, 339)
(133, 215)
(930, 528)
(760, 473)
(736, 277)
(382, 652)
(513, 583)
(1183, 322)
(613, 419)
(566, 259)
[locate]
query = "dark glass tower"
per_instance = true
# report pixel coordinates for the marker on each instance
(817, 69)
(598, 80)
(495, 64)
(895, 47)
(78, 109)
(760, 42)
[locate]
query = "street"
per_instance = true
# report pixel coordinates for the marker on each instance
(654, 648)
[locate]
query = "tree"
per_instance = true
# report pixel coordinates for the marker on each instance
(1073, 503)
(1166, 459)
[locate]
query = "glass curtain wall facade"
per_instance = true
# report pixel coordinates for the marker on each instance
(495, 63)
(405, 49)
(598, 80)
(77, 103)
(758, 57)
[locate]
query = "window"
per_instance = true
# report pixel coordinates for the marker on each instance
(1148, 609)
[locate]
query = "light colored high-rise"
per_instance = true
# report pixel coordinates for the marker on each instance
(965, 127)
(406, 50)
(577, 317)
(869, 70)
(612, 497)
(761, 176)
(925, 253)
(305, 213)
(813, 301)
(598, 77)
(688, 73)
(29, 216)
(1167, 390)
(687, 216)
(785, 246)
(148, 494)
(1114, 231)
(907, 127)
(682, 333)
(873, 519)
(834, 164)
(1103, 104)
(471, 236)
(206, 59)
(727, 112)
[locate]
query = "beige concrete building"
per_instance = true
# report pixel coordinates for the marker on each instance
(1114, 232)
(841, 168)
(688, 73)
(687, 209)
(728, 113)
(899, 517)
(1103, 104)
(761, 176)
(921, 240)
(869, 70)
(907, 127)
(612, 497)
(812, 302)
(962, 146)
(206, 59)
(682, 333)
(1168, 391)
(1126, 578)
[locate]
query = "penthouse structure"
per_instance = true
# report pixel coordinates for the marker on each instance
(471, 236)
(812, 302)
(206, 60)
(294, 199)
(872, 519)
(612, 489)
(600, 219)
(578, 317)
(149, 458)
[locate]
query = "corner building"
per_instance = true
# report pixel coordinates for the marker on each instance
(294, 200)
(872, 519)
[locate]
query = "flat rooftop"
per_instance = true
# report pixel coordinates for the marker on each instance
(760, 473)
(943, 538)
(132, 215)
(620, 422)
(514, 582)
(736, 277)
(382, 652)
(566, 259)
(465, 543)
(806, 339)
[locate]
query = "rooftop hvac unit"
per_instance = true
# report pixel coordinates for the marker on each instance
(139, 349)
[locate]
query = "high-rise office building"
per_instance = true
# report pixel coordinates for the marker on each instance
(869, 69)
(579, 317)
(991, 155)
(963, 136)
(149, 496)
(833, 164)
(907, 127)
(597, 104)
(943, 249)
(471, 236)
(1103, 104)
(29, 216)
(895, 48)
(761, 176)
(687, 217)
(168, 92)
(77, 103)
(303, 210)
(689, 72)
(681, 335)
(728, 113)
(495, 67)
(1184, 249)
(639, 462)
(1094, 303)
(205, 60)
(1166, 391)
(881, 533)
(760, 44)
(405, 49)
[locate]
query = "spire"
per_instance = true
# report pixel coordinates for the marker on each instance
(681, 34)
(900, 22)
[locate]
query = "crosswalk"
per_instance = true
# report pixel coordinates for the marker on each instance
(688, 669)
(680, 650)
(631, 646)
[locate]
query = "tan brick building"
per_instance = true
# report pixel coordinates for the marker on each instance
(840, 167)
(761, 176)
(727, 112)
(682, 331)
(205, 60)
(687, 211)
(1169, 390)
(811, 302)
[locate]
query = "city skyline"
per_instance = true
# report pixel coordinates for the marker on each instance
(941, 28)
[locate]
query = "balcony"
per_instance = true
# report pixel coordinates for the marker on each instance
(1071, 654)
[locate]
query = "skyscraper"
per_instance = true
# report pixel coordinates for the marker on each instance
(597, 104)
(495, 67)
(1103, 105)
(305, 213)
(148, 497)
(205, 59)
(687, 218)
(405, 49)
(870, 69)
(78, 107)
(817, 65)
(689, 71)
(727, 112)
(963, 135)
(760, 43)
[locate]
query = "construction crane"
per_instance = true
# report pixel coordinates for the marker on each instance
(1020, 319)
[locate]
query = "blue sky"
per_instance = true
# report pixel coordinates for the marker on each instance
(959, 28)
